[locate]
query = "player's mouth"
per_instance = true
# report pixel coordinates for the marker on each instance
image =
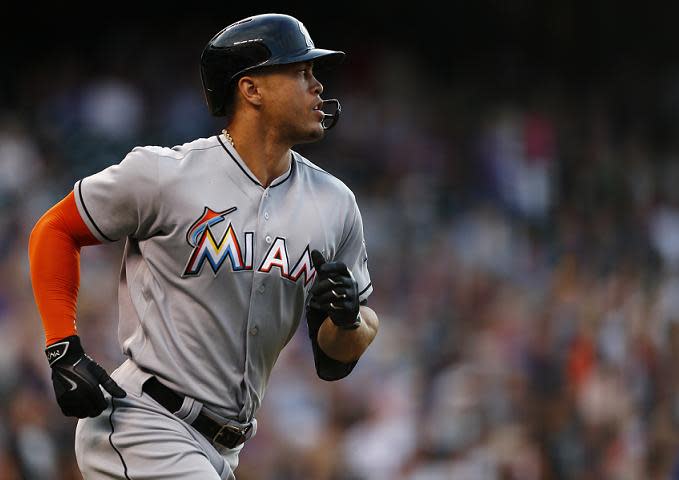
(318, 108)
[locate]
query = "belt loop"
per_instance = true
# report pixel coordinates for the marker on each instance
(253, 430)
(189, 410)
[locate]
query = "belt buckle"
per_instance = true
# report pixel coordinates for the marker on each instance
(233, 430)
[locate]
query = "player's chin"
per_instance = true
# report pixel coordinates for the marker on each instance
(313, 133)
(318, 132)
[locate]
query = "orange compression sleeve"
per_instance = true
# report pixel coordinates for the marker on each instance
(54, 253)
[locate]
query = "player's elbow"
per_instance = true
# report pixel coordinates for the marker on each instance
(38, 233)
(49, 233)
(330, 370)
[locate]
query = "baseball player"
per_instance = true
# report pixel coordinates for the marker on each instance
(229, 242)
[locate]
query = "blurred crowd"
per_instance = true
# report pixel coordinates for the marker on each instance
(523, 245)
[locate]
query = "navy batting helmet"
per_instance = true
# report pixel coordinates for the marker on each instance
(254, 42)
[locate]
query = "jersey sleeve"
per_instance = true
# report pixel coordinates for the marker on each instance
(121, 200)
(353, 252)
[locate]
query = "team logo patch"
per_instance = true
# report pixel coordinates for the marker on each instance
(207, 219)
(214, 249)
(305, 33)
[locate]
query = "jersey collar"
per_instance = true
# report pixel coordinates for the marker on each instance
(233, 154)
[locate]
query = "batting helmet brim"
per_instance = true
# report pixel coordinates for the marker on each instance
(323, 59)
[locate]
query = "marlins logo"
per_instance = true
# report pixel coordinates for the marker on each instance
(208, 248)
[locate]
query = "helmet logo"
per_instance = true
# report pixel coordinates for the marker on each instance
(307, 37)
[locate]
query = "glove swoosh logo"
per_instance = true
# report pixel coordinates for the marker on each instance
(71, 383)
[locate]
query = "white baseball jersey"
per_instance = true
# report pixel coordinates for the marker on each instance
(217, 267)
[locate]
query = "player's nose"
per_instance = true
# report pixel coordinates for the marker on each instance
(316, 86)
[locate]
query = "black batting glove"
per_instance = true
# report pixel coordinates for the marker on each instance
(335, 292)
(76, 379)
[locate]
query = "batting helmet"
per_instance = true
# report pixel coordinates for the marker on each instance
(254, 42)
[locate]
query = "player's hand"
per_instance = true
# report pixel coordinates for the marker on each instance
(76, 379)
(335, 292)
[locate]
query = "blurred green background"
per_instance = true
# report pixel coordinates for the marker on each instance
(516, 165)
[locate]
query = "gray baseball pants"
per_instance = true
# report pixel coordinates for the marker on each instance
(136, 438)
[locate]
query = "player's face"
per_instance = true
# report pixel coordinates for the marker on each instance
(291, 102)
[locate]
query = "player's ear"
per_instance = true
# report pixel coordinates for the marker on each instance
(249, 90)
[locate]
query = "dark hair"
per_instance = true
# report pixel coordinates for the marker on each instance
(230, 100)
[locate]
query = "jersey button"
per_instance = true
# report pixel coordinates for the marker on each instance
(268, 239)
(266, 215)
(254, 331)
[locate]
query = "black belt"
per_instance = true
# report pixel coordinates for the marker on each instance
(228, 435)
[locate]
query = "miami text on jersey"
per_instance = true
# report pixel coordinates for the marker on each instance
(206, 248)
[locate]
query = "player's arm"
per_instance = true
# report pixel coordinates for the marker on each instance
(340, 327)
(347, 345)
(54, 253)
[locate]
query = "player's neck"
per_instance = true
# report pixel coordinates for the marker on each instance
(266, 157)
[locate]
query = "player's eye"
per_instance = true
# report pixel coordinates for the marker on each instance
(306, 71)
